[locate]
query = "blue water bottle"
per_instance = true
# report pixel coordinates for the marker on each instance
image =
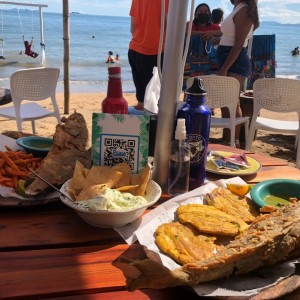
(197, 118)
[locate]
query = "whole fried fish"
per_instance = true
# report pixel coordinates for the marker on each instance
(270, 239)
(69, 145)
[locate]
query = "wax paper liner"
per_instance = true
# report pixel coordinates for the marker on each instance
(142, 230)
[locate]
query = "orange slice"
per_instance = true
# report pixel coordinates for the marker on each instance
(238, 189)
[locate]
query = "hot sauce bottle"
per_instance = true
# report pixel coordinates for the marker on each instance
(114, 103)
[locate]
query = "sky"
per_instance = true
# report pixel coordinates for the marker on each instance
(282, 11)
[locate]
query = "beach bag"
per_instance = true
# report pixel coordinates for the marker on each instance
(152, 93)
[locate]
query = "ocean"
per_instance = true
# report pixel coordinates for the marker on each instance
(91, 37)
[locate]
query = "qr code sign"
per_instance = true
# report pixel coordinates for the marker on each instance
(119, 149)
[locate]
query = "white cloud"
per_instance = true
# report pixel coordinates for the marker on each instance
(287, 11)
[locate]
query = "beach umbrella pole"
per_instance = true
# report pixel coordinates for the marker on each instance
(170, 85)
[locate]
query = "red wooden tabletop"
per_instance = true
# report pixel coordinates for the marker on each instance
(48, 252)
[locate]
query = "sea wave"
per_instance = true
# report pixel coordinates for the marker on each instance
(294, 76)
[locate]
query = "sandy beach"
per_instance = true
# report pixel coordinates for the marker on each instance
(276, 145)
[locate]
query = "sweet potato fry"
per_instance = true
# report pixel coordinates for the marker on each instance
(4, 181)
(8, 160)
(13, 172)
(20, 162)
(2, 163)
(15, 181)
(23, 155)
(15, 165)
(9, 184)
(8, 148)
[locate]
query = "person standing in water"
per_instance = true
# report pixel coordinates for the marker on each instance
(110, 58)
(117, 58)
(295, 51)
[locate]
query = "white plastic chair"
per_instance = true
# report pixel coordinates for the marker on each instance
(223, 91)
(280, 95)
(34, 85)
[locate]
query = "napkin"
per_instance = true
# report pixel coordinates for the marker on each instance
(8, 141)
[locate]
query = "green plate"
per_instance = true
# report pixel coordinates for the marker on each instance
(282, 188)
(254, 166)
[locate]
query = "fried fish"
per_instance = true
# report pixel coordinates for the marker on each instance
(184, 244)
(209, 219)
(69, 145)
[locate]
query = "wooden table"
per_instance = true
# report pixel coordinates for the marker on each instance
(48, 252)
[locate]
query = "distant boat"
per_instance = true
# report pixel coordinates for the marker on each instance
(75, 13)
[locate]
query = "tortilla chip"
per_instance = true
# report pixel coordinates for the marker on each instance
(141, 180)
(124, 168)
(102, 175)
(72, 194)
(91, 191)
(79, 175)
(126, 188)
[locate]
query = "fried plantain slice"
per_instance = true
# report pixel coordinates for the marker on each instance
(222, 199)
(209, 219)
(184, 244)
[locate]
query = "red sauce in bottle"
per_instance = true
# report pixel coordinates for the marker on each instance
(114, 103)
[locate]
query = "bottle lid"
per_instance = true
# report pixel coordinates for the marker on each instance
(180, 133)
(196, 88)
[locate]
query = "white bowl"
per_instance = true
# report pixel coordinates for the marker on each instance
(110, 219)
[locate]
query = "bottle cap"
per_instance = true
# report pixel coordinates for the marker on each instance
(196, 88)
(180, 133)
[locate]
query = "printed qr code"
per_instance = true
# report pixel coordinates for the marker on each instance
(119, 149)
